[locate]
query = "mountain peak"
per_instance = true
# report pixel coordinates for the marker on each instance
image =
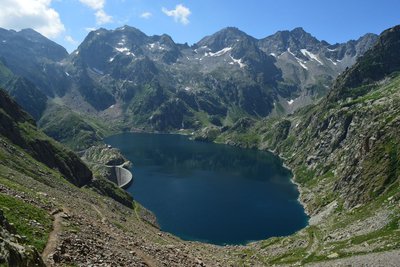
(225, 37)
(298, 30)
(30, 31)
(294, 40)
(127, 28)
(231, 31)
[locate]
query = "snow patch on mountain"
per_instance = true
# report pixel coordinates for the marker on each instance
(333, 62)
(238, 61)
(154, 46)
(219, 53)
(124, 50)
(290, 52)
(310, 55)
(301, 62)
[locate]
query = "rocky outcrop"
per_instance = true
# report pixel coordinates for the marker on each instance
(352, 133)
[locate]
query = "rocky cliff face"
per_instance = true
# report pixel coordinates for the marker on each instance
(353, 132)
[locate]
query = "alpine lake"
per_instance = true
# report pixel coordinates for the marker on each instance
(210, 192)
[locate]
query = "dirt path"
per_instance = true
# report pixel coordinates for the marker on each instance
(103, 218)
(53, 238)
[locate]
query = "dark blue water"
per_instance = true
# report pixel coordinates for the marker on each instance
(212, 193)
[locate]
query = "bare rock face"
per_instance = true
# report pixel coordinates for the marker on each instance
(12, 252)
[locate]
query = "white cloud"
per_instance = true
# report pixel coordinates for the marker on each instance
(94, 4)
(180, 13)
(102, 17)
(146, 15)
(35, 14)
(98, 6)
(70, 40)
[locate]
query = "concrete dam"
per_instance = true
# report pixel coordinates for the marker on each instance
(120, 176)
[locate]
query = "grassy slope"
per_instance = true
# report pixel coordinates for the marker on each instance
(74, 130)
(29, 220)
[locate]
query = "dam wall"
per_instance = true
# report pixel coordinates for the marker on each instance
(120, 176)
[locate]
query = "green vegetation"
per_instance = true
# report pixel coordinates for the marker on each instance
(29, 221)
(304, 175)
(104, 187)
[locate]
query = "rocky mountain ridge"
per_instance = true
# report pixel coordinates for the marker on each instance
(151, 82)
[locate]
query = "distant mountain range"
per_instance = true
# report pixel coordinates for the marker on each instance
(150, 82)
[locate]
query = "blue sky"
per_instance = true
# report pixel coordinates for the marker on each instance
(68, 21)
